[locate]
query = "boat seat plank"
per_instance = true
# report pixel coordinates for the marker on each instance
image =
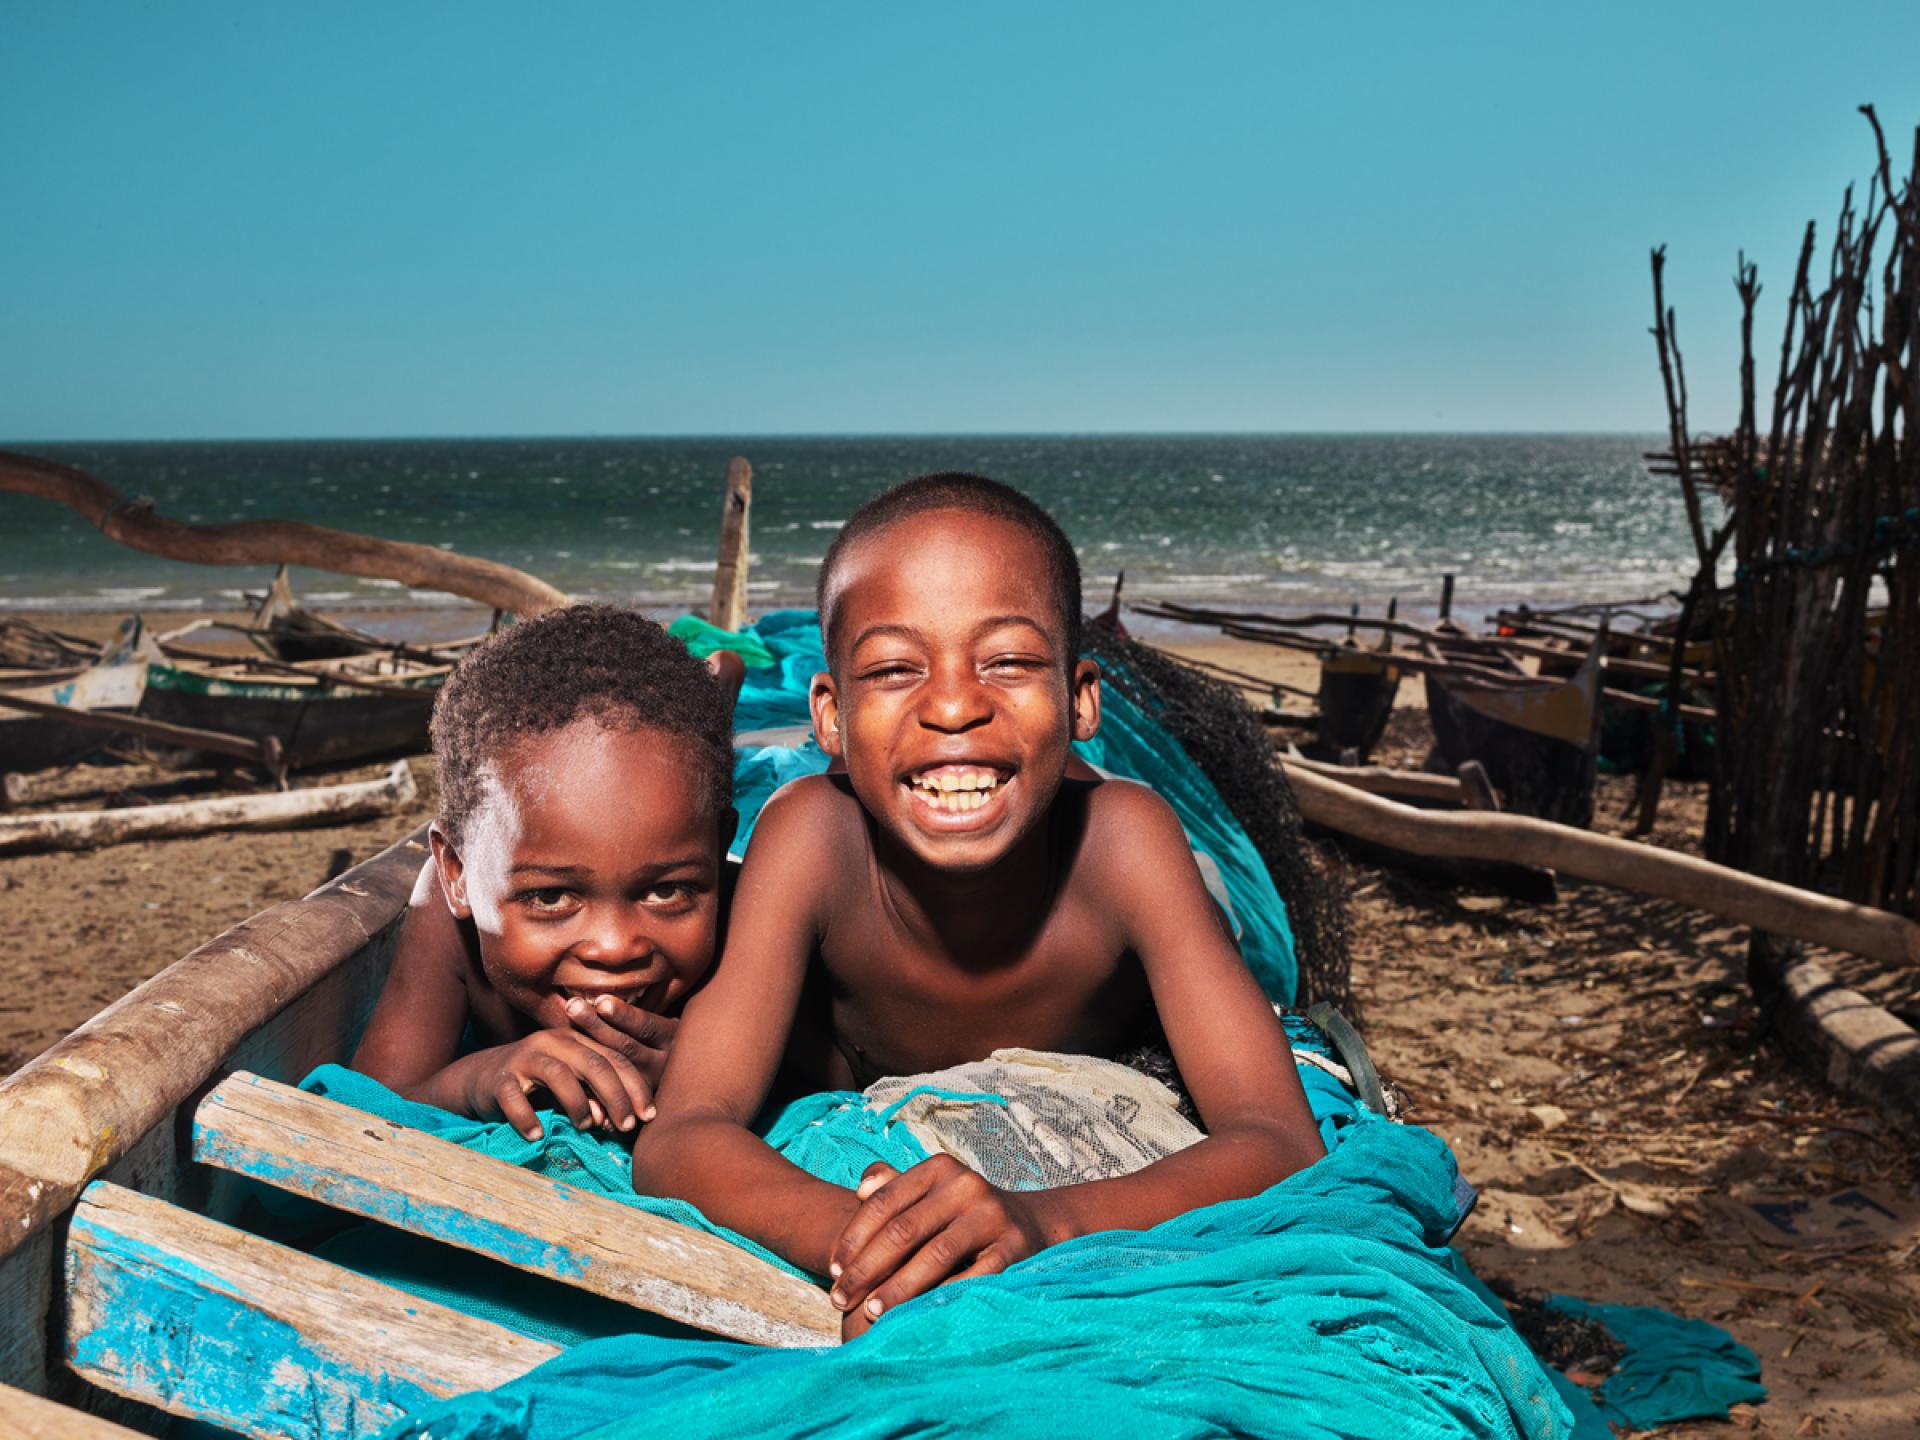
(357, 1162)
(34, 1417)
(204, 1321)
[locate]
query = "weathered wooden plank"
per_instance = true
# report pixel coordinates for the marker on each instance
(211, 1323)
(31, 1417)
(354, 1161)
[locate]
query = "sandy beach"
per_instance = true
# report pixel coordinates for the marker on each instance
(1630, 1017)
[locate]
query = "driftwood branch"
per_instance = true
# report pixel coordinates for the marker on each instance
(323, 804)
(134, 523)
(1646, 869)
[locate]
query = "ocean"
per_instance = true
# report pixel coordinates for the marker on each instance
(1275, 523)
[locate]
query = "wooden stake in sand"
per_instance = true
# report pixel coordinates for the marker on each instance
(729, 610)
(328, 804)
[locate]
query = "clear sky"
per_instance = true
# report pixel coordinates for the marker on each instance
(444, 219)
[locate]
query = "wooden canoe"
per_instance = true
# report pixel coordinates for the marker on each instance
(141, 1277)
(1537, 739)
(1356, 694)
(323, 712)
(112, 684)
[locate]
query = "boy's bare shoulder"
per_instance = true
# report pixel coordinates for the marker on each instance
(813, 817)
(1129, 827)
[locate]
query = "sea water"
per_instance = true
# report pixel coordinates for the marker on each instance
(1280, 523)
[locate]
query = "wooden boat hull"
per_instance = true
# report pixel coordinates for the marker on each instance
(281, 993)
(314, 724)
(112, 685)
(1357, 690)
(1538, 744)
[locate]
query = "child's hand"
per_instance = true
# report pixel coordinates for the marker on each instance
(594, 1085)
(641, 1036)
(937, 1222)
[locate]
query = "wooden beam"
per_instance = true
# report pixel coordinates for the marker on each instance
(729, 609)
(1646, 869)
(34, 1417)
(316, 805)
(261, 752)
(354, 1161)
(207, 1322)
(134, 522)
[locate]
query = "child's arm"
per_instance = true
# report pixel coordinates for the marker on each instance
(940, 1221)
(412, 1041)
(732, 1037)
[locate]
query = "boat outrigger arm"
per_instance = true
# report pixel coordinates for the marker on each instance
(134, 522)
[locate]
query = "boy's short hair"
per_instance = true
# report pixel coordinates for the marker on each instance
(540, 675)
(958, 490)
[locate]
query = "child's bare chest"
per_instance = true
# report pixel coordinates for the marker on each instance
(899, 1007)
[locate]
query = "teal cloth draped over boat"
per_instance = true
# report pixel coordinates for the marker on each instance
(784, 652)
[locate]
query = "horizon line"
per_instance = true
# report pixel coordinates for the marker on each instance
(752, 435)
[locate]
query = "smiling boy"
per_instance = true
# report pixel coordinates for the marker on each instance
(966, 885)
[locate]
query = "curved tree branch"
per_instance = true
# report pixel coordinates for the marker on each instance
(276, 542)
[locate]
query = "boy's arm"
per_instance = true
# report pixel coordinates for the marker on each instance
(731, 1038)
(412, 1041)
(938, 1220)
(415, 1030)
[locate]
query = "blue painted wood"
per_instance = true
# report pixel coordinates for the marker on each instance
(208, 1322)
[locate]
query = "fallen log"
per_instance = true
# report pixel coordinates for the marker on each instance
(1746, 899)
(134, 522)
(324, 804)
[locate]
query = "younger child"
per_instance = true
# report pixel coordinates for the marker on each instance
(586, 773)
(965, 885)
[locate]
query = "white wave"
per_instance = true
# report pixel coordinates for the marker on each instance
(826, 524)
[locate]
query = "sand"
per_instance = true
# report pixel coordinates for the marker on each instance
(1630, 1017)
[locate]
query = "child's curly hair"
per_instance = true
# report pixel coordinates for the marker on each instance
(540, 675)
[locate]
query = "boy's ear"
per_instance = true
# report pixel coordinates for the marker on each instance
(826, 713)
(1085, 682)
(453, 873)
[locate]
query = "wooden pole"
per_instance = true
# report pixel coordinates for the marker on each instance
(135, 523)
(729, 610)
(1646, 869)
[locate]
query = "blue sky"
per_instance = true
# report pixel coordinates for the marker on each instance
(445, 219)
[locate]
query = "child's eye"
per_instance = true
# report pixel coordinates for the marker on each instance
(676, 896)
(883, 673)
(1015, 664)
(551, 900)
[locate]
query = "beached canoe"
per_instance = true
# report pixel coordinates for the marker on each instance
(1537, 739)
(141, 1275)
(112, 684)
(323, 712)
(1357, 690)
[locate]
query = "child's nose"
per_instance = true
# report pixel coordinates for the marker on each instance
(618, 936)
(954, 699)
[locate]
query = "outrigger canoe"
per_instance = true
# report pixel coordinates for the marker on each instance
(112, 684)
(322, 712)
